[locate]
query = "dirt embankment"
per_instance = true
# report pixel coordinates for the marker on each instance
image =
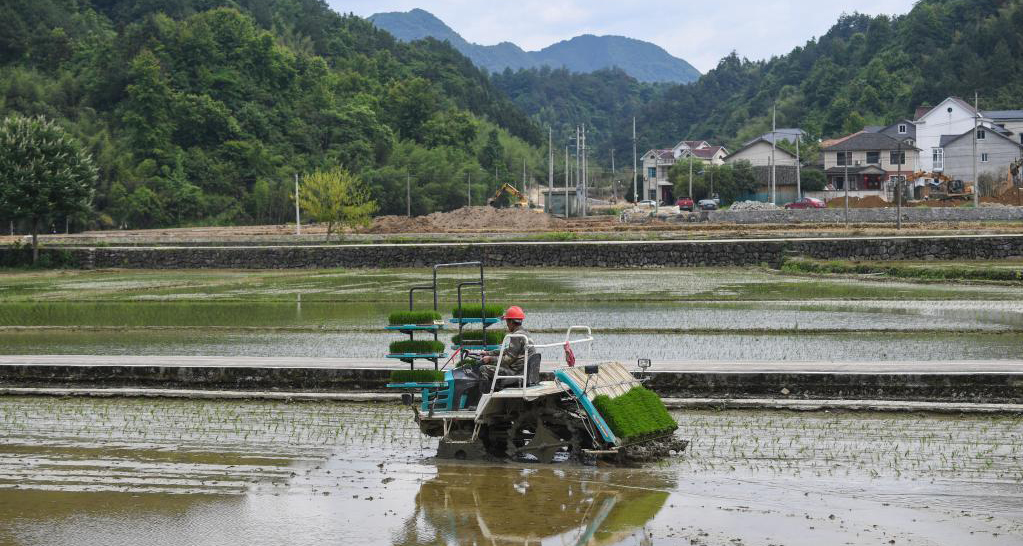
(468, 219)
(868, 202)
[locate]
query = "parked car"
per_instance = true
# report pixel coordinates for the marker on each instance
(807, 203)
(708, 204)
(648, 203)
(684, 203)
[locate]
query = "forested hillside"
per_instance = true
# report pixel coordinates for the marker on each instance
(863, 71)
(604, 100)
(201, 111)
(644, 61)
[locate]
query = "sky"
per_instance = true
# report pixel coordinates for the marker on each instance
(701, 33)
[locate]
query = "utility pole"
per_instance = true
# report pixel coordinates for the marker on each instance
(298, 220)
(550, 172)
(566, 181)
(408, 193)
(898, 188)
(976, 182)
(468, 185)
(614, 193)
(799, 174)
(845, 184)
(635, 174)
(525, 190)
(689, 146)
(585, 174)
(578, 170)
(774, 146)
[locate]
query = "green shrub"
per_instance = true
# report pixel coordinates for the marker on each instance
(417, 346)
(635, 415)
(401, 318)
(417, 376)
(475, 337)
(476, 311)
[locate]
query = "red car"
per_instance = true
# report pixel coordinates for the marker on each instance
(684, 203)
(807, 203)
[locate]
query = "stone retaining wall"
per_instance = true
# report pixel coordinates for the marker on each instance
(868, 216)
(979, 387)
(567, 254)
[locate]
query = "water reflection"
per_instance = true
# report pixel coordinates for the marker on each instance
(468, 505)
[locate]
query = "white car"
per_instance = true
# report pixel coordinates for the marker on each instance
(648, 203)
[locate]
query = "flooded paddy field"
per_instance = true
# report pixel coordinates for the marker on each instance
(746, 347)
(93, 472)
(748, 314)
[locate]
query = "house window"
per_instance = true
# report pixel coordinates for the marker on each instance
(844, 158)
(873, 158)
(938, 159)
(981, 134)
(651, 173)
(983, 158)
(898, 158)
(902, 129)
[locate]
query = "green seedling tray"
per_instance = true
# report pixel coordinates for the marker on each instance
(415, 327)
(416, 385)
(476, 347)
(476, 320)
(418, 355)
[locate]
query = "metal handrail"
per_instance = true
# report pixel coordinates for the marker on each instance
(531, 349)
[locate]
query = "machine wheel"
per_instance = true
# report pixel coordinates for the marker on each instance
(542, 432)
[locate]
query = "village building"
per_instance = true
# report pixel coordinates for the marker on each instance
(995, 152)
(869, 160)
(657, 163)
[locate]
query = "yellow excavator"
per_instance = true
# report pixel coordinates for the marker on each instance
(943, 188)
(507, 196)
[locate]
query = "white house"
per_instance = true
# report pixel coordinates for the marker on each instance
(657, 163)
(953, 116)
(759, 152)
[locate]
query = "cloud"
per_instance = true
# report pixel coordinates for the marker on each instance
(754, 28)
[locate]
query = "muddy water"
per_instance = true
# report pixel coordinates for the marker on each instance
(769, 347)
(99, 472)
(889, 315)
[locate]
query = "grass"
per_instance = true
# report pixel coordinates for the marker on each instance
(475, 337)
(635, 415)
(417, 346)
(983, 271)
(401, 318)
(477, 311)
(417, 376)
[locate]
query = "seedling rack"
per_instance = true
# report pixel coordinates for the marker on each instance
(412, 329)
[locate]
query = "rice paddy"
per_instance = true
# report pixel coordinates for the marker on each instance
(673, 314)
(90, 471)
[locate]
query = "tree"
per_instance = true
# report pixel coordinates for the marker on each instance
(44, 173)
(336, 197)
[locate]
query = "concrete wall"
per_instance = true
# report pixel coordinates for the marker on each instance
(560, 254)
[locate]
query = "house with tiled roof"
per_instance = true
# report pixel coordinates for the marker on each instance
(953, 116)
(867, 160)
(657, 163)
(995, 152)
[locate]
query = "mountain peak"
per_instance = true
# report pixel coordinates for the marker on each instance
(585, 53)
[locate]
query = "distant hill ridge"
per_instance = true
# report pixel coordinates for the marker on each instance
(642, 60)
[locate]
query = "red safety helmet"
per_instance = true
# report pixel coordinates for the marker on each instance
(514, 313)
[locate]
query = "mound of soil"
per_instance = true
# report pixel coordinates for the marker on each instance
(468, 219)
(868, 202)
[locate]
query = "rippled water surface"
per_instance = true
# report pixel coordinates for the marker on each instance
(98, 472)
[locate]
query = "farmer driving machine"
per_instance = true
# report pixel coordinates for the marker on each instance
(581, 412)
